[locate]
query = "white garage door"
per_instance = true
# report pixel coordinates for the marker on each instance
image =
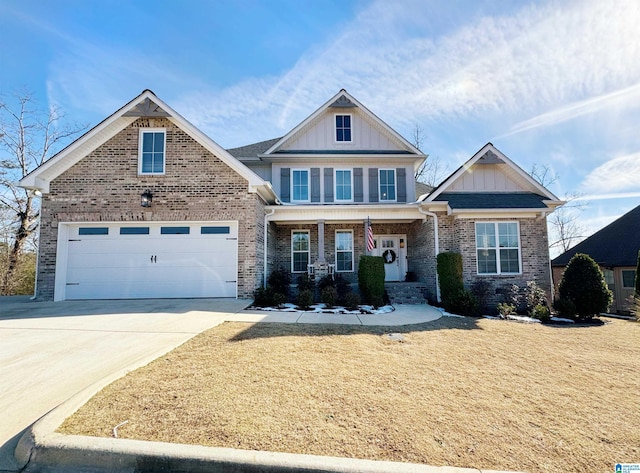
(130, 261)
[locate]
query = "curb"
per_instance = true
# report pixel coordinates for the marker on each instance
(41, 449)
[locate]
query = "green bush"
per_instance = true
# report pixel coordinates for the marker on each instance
(449, 267)
(565, 308)
(462, 303)
(371, 279)
(305, 282)
(279, 281)
(504, 309)
(481, 288)
(534, 296)
(329, 295)
(584, 286)
(351, 300)
(305, 299)
(541, 312)
(267, 297)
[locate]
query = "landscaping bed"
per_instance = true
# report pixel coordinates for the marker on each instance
(464, 392)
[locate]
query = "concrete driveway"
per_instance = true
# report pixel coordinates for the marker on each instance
(51, 351)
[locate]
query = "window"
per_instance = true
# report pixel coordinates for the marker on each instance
(134, 230)
(608, 278)
(174, 230)
(93, 231)
(343, 128)
(343, 184)
(299, 251)
(152, 144)
(628, 278)
(214, 230)
(498, 248)
(344, 250)
(300, 185)
(387, 184)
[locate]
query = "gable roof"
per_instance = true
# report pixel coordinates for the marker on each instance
(345, 101)
(537, 197)
(147, 104)
(617, 244)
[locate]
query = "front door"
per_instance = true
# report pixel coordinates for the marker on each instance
(388, 246)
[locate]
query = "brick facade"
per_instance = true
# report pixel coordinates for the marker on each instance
(196, 186)
(458, 235)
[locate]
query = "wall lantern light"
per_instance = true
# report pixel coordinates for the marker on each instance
(145, 198)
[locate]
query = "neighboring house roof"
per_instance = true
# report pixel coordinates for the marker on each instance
(617, 244)
(147, 104)
(422, 188)
(486, 200)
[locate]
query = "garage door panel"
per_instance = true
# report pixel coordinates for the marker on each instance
(117, 266)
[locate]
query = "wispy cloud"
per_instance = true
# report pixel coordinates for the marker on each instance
(620, 174)
(560, 56)
(620, 98)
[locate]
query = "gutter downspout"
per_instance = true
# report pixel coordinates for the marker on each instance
(266, 221)
(436, 245)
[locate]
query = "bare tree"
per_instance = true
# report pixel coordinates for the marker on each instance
(565, 229)
(432, 170)
(28, 137)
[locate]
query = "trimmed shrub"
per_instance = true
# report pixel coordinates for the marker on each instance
(279, 281)
(305, 282)
(481, 289)
(371, 279)
(351, 300)
(268, 297)
(584, 286)
(534, 296)
(462, 303)
(329, 295)
(541, 312)
(262, 297)
(504, 309)
(450, 274)
(305, 299)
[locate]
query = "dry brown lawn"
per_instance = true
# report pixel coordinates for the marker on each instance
(462, 392)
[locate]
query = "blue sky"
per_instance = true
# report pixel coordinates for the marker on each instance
(548, 82)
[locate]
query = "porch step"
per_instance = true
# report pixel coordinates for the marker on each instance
(406, 292)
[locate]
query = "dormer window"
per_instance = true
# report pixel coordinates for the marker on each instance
(151, 149)
(343, 128)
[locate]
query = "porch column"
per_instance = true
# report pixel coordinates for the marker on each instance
(321, 241)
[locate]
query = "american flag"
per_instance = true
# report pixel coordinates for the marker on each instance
(370, 243)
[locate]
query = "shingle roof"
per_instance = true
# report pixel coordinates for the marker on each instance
(617, 244)
(486, 200)
(253, 150)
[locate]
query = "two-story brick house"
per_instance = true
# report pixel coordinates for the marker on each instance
(146, 205)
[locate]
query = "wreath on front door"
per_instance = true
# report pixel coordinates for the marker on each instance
(389, 256)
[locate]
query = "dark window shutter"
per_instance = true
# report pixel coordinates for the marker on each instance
(328, 184)
(373, 184)
(285, 184)
(401, 182)
(315, 184)
(358, 192)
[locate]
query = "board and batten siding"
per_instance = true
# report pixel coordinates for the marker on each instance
(485, 177)
(321, 135)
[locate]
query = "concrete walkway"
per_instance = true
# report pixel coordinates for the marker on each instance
(56, 356)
